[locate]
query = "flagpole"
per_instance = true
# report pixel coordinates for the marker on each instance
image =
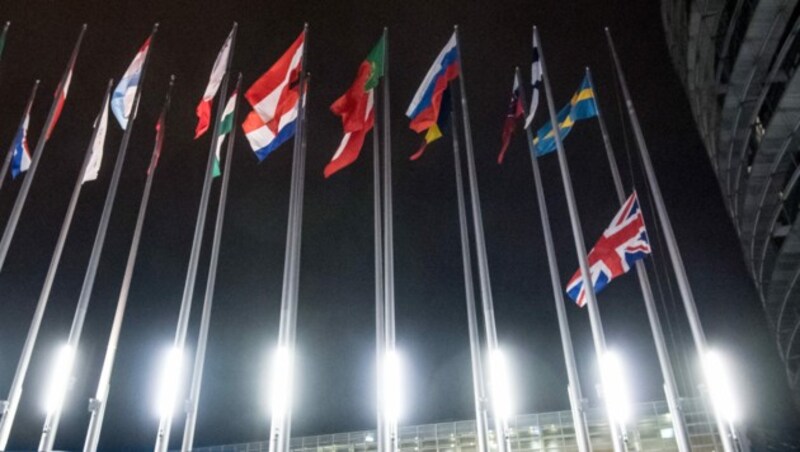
(670, 387)
(574, 383)
(478, 382)
(205, 320)
(165, 423)
(22, 196)
(97, 405)
(10, 154)
(580, 247)
(15, 392)
(501, 431)
(50, 428)
(380, 316)
(726, 432)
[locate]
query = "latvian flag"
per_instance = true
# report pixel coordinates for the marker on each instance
(274, 98)
(125, 92)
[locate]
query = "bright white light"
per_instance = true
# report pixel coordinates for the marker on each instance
(170, 381)
(501, 385)
(615, 388)
(720, 386)
(393, 377)
(281, 381)
(59, 379)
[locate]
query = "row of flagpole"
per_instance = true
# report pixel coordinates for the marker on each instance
(487, 400)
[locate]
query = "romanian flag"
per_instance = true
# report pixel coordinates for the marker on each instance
(581, 106)
(426, 105)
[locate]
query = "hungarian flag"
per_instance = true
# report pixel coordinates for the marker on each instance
(225, 128)
(356, 107)
(515, 112)
(217, 74)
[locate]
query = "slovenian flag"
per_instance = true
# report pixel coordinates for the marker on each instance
(427, 102)
(274, 98)
(21, 158)
(125, 92)
(217, 74)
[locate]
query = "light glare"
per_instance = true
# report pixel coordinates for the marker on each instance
(501, 385)
(59, 379)
(169, 383)
(615, 388)
(281, 381)
(394, 386)
(720, 386)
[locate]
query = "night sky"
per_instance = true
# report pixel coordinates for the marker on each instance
(335, 330)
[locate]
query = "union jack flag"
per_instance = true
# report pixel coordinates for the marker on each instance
(623, 243)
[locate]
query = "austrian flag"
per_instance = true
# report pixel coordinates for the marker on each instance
(623, 243)
(274, 98)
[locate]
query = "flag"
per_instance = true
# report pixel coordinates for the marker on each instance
(356, 107)
(97, 146)
(225, 128)
(438, 129)
(536, 81)
(581, 106)
(61, 98)
(3, 37)
(515, 112)
(160, 126)
(427, 102)
(623, 243)
(274, 99)
(21, 157)
(217, 73)
(125, 92)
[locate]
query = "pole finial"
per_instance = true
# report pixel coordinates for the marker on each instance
(36, 83)
(608, 30)
(84, 27)
(172, 79)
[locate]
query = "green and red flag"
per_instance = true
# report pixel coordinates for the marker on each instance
(356, 107)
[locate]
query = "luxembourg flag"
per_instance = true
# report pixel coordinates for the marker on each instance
(425, 106)
(125, 92)
(21, 158)
(274, 98)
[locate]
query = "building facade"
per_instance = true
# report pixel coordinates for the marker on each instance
(651, 431)
(738, 62)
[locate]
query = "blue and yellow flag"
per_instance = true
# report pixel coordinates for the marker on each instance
(581, 106)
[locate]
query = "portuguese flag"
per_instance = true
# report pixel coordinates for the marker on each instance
(356, 108)
(225, 127)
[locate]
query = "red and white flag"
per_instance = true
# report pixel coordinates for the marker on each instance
(61, 98)
(217, 74)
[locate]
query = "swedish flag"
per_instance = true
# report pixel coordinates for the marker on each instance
(581, 106)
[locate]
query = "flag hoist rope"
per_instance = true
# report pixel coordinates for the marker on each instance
(574, 383)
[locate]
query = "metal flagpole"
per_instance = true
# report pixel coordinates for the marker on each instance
(97, 405)
(10, 154)
(11, 225)
(670, 387)
(380, 334)
(725, 430)
(392, 435)
(580, 247)
(501, 433)
(280, 424)
(574, 387)
(478, 382)
(50, 428)
(165, 424)
(33, 332)
(205, 320)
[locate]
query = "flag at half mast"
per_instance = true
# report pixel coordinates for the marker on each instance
(581, 106)
(427, 110)
(622, 244)
(225, 127)
(356, 107)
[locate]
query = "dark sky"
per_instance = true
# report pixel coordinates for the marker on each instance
(336, 317)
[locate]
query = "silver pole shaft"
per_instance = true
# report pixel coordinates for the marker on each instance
(7, 161)
(380, 333)
(44, 296)
(50, 428)
(501, 433)
(97, 405)
(670, 387)
(580, 247)
(280, 424)
(205, 320)
(574, 387)
(678, 267)
(22, 196)
(392, 433)
(478, 382)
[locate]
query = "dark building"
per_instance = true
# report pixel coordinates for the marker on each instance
(738, 62)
